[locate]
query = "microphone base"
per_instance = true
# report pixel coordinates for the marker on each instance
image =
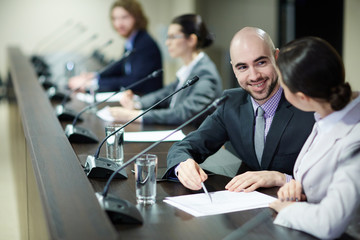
(80, 135)
(66, 114)
(55, 94)
(102, 168)
(118, 210)
(46, 83)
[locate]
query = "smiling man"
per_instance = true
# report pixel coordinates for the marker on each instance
(267, 143)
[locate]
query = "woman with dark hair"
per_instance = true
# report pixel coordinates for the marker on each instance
(323, 199)
(187, 36)
(129, 21)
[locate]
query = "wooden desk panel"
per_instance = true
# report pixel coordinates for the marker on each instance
(70, 207)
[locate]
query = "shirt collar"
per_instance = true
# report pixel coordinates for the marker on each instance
(270, 105)
(183, 73)
(327, 123)
(129, 44)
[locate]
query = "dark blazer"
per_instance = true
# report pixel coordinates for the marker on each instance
(145, 59)
(189, 101)
(234, 122)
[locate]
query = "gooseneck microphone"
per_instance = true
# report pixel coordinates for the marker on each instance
(113, 64)
(67, 39)
(97, 52)
(78, 47)
(96, 167)
(54, 92)
(47, 82)
(82, 135)
(56, 32)
(68, 114)
(120, 210)
(41, 66)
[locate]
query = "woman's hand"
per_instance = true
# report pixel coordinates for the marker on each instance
(291, 191)
(288, 194)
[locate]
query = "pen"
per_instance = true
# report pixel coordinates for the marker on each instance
(206, 192)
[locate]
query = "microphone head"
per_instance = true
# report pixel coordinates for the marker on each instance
(112, 64)
(93, 36)
(109, 42)
(81, 28)
(156, 73)
(220, 100)
(191, 81)
(128, 53)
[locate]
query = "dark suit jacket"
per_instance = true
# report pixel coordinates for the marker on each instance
(145, 59)
(234, 122)
(189, 101)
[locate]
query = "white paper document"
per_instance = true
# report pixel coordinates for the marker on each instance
(222, 202)
(152, 136)
(88, 98)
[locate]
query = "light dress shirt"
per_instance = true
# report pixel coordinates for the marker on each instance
(183, 74)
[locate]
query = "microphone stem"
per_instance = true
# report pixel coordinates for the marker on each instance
(215, 104)
(68, 95)
(84, 59)
(126, 54)
(140, 115)
(122, 90)
(111, 65)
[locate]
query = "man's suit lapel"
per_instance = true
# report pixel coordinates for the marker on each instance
(281, 119)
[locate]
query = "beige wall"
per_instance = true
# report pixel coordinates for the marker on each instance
(224, 18)
(26, 23)
(35, 20)
(352, 42)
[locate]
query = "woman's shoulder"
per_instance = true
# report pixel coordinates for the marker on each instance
(205, 64)
(206, 59)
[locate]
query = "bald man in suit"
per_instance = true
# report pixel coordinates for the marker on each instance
(253, 57)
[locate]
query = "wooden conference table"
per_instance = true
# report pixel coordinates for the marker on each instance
(64, 205)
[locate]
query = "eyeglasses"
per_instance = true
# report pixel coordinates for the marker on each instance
(175, 36)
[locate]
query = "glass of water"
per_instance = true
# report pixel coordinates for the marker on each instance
(145, 178)
(115, 143)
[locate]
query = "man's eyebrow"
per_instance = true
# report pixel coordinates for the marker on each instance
(239, 65)
(256, 60)
(261, 58)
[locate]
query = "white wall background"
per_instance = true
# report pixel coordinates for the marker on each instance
(351, 49)
(225, 18)
(48, 26)
(27, 23)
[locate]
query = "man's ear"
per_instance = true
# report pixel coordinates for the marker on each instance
(276, 53)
